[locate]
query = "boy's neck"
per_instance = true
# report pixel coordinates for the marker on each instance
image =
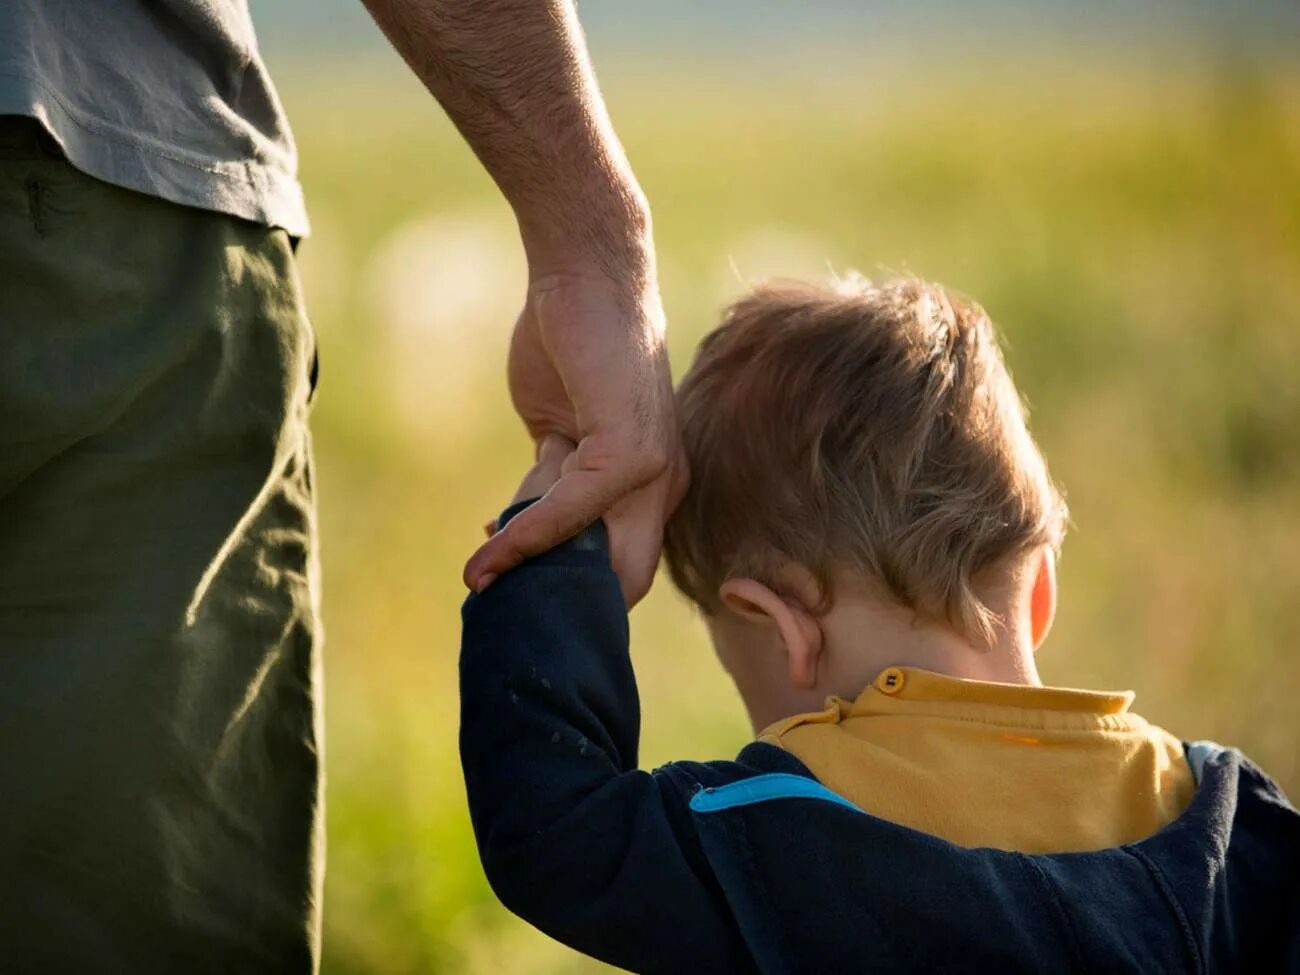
(862, 639)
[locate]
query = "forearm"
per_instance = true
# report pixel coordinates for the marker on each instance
(515, 78)
(549, 708)
(573, 838)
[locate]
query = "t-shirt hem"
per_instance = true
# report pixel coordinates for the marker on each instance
(248, 189)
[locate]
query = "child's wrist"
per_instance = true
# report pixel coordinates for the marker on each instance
(593, 538)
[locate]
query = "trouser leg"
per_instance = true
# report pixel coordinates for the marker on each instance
(160, 736)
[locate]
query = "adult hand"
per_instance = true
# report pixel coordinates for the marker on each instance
(588, 357)
(552, 453)
(588, 363)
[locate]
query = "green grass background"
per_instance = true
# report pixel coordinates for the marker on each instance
(1132, 222)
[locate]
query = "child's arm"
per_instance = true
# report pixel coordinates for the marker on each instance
(573, 838)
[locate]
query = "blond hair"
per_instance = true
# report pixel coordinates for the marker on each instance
(865, 428)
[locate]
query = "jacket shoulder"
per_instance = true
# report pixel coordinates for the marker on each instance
(1231, 864)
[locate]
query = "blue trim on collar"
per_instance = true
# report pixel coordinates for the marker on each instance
(764, 788)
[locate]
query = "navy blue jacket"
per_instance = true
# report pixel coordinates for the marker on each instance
(753, 866)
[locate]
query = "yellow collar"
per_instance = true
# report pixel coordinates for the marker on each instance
(912, 691)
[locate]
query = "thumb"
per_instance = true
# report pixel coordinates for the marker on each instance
(577, 499)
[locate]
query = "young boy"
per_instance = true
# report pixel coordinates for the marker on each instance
(871, 535)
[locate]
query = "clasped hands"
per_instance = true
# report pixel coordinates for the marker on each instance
(588, 375)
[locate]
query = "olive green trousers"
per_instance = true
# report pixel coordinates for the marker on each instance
(160, 732)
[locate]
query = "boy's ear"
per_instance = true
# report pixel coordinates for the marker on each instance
(1042, 598)
(797, 627)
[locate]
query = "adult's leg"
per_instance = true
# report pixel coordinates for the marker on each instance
(160, 735)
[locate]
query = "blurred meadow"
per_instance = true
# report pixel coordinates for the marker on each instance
(1129, 215)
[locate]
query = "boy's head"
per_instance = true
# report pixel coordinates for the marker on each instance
(864, 492)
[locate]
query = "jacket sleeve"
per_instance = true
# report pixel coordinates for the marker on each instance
(573, 838)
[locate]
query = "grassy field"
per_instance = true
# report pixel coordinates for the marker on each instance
(1134, 230)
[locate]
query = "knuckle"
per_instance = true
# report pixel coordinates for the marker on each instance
(652, 460)
(659, 457)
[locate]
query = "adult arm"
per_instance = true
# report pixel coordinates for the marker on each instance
(587, 359)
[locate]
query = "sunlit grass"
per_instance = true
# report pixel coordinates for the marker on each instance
(1135, 231)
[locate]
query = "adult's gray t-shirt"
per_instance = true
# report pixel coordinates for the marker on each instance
(167, 97)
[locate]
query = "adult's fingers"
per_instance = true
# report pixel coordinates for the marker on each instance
(636, 538)
(636, 529)
(552, 453)
(577, 499)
